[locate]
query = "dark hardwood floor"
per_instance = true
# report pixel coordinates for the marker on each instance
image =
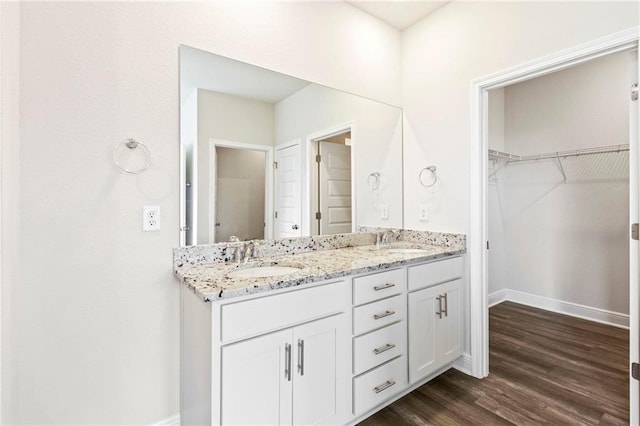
(544, 368)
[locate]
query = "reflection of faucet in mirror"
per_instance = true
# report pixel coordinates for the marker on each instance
(250, 248)
(383, 238)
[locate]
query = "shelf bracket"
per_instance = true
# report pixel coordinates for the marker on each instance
(564, 176)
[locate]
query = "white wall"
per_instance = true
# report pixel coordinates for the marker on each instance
(567, 241)
(10, 198)
(456, 44)
(97, 323)
(377, 145)
(229, 118)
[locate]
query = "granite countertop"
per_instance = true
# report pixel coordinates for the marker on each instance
(210, 281)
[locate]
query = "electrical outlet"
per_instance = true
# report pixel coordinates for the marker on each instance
(424, 212)
(151, 218)
(384, 211)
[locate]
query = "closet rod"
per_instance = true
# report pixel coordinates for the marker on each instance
(560, 154)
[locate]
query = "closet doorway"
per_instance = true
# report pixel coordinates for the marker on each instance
(558, 215)
(624, 41)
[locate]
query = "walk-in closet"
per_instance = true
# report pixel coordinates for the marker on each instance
(559, 190)
(558, 213)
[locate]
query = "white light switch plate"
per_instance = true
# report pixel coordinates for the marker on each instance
(424, 212)
(384, 211)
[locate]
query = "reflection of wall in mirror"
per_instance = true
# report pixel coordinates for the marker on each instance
(240, 194)
(229, 118)
(377, 144)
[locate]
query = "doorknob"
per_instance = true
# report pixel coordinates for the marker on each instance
(294, 226)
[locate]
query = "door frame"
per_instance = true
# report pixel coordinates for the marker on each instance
(309, 152)
(626, 40)
(268, 182)
(284, 145)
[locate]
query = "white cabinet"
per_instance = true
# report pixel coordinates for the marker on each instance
(255, 388)
(288, 377)
(435, 328)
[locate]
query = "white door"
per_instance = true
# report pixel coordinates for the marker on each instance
(448, 338)
(288, 208)
(335, 188)
(422, 323)
(320, 372)
(256, 388)
(634, 216)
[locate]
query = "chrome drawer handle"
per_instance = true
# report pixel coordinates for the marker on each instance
(384, 348)
(385, 385)
(384, 287)
(385, 314)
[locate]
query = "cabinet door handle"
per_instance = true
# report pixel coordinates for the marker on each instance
(446, 305)
(439, 313)
(384, 286)
(301, 357)
(384, 314)
(384, 348)
(287, 361)
(385, 385)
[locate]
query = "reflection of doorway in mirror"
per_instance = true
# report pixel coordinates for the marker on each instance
(239, 182)
(332, 191)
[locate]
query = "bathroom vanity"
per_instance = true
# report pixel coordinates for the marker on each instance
(348, 328)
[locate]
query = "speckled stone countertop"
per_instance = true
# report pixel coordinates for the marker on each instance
(205, 271)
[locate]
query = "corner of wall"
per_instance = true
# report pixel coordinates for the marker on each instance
(9, 201)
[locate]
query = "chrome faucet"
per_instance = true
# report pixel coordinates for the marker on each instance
(249, 251)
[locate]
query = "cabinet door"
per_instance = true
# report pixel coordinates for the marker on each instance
(422, 323)
(448, 340)
(256, 389)
(321, 372)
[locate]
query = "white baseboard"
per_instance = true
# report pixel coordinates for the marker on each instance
(463, 364)
(603, 316)
(497, 297)
(171, 421)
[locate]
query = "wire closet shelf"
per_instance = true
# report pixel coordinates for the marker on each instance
(511, 158)
(505, 158)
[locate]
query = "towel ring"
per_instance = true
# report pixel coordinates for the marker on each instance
(433, 179)
(132, 144)
(373, 181)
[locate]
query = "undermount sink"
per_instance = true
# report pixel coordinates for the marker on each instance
(406, 250)
(263, 271)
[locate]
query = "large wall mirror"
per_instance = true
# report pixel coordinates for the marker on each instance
(266, 155)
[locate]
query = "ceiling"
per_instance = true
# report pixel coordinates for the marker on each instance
(399, 14)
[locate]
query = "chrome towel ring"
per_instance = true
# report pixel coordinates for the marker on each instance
(132, 144)
(373, 181)
(431, 177)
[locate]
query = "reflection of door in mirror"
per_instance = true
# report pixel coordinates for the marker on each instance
(288, 208)
(239, 194)
(333, 189)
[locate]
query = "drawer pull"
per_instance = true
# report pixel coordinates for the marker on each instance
(384, 286)
(385, 385)
(384, 348)
(384, 314)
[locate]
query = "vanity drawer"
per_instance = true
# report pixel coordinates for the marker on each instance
(435, 272)
(376, 386)
(378, 314)
(269, 313)
(377, 286)
(379, 346)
